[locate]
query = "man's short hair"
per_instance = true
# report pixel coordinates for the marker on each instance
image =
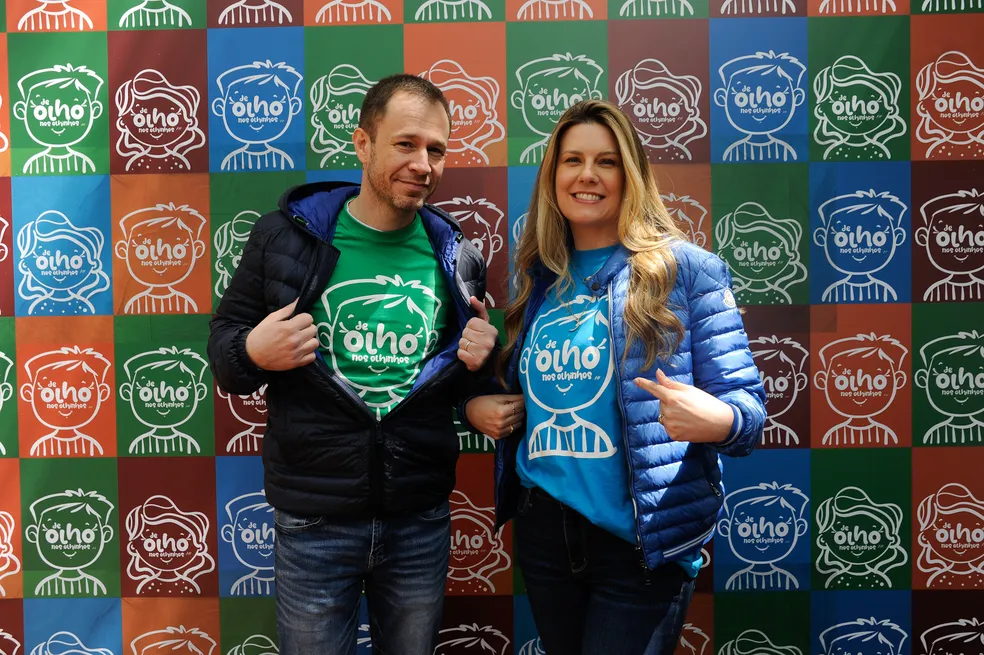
(378, 96)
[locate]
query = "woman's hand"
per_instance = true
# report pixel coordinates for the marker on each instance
(688, 413)
(497, 416)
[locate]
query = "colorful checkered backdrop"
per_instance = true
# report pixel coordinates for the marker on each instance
(828, 150)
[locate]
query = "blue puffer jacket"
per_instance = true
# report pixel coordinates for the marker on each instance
(676, 487)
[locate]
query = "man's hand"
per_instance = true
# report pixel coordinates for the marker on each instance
(281, 343)
(688, 413)
(478, 338)
(497, 416)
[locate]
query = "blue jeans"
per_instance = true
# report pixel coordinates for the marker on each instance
(589, 591)
(323, 565)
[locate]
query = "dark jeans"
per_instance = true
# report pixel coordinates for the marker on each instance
(323, 565)
(589, 590)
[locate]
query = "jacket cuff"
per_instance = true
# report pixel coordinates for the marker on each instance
(737, 424)
(462, 418)
(240, 358)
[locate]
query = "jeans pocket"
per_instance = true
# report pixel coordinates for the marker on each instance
(289, 522)
(440, 512)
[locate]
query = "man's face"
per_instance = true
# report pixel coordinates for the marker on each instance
(760, 104)
(166, 547)
(762, 533)
(66, 397)
(60, 264)
(69, 539)
(157, 121)
(163, 396)
(860, 386)
(253, 538)
(257, 111)
(952, 383)
(859, 242)
(404, 163)
(160, 254)
(956, 241)
(59, 115)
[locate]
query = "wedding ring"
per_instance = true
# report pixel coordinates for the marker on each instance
(660, 418)
(467, 343)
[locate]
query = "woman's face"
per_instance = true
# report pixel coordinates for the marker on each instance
(589, 178)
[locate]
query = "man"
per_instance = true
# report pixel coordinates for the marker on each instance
(360, 307)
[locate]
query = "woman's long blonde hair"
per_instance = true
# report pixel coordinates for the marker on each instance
(645, 228)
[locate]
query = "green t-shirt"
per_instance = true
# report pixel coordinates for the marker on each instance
(384, 310)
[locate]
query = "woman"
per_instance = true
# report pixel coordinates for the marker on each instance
(629, 373)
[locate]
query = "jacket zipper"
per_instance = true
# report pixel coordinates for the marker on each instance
(625, 434)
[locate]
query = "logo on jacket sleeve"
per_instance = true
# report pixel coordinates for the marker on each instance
(66, 389)
(953, 236)
(249, 527)
(952, 375)
(9, 564)
(164, 388)
(547, 88)
(763, 524)
(860, 233)
(336, 107)
(760, 94)
(158, 123)
(860, 376)
(61, 266)
(59, 106)
(859, 540)
(473, 102)
(664, 106)
(566, 379)
(167, 547)
(477, 550)
(951, 538)
(762, 253)
(70, 529)
(257, 103)
(155, 13)
(857, 111)
(864, 637)
(172, 640)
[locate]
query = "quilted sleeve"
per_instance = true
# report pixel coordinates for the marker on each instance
(722, 359)
(242, 307)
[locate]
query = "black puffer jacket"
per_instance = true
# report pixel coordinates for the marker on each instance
(324, 452)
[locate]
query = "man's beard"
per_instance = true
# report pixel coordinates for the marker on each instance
(380, 186)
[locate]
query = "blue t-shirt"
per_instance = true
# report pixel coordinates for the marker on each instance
(574, 447)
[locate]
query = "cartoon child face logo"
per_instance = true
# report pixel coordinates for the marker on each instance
(477, 550)
(756, 642)
(863, 637)
(58, 255)
(953, 373)
(688, 214)
(173, 641)
(475, 119)
(250, 530)
(471, 640)
(336, 107)
(165, 386)
(760, 92)
(59, 105)
(951, 101)
(964, 636)
(861, 374)
(764, 522)
(855, 532)
(258, 101)
(353, 333)
(161, 244)
(67, 643)
(70, 529)
(861, 231)
(9, 564)
(158, 114)
(663, 105)
(551, 351)
(780, 362)
(256, 645)
(951, 533)
(953, 231)
(550, 85)
(67, 386)
(480, 219)
(250, 409)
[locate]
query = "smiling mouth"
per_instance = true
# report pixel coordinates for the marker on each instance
(587, 197)
(58, 132)
(565, 389)
(377, 371)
